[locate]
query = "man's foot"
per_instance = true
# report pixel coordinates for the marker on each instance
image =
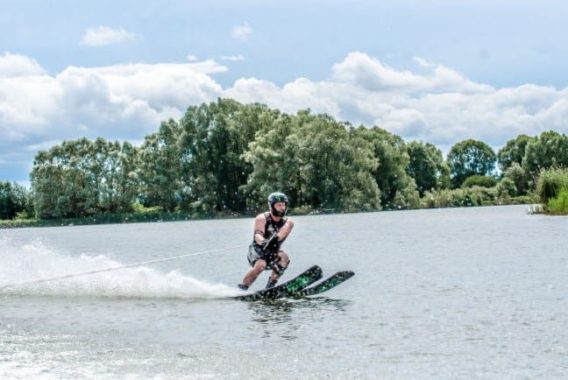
(271, 283)
(243, 286)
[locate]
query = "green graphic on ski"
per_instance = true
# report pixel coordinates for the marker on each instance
(325, 285)
(286, 289)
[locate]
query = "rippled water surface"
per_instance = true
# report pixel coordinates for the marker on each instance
(438, 294)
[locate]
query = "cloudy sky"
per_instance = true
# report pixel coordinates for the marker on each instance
(433, 70)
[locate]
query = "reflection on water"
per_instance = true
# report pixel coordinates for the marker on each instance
(284, 317)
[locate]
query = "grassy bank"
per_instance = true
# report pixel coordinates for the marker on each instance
(471, 197)
(552, 188)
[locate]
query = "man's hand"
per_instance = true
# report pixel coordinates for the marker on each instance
(266, 242)
(263, 243)
(271, 229)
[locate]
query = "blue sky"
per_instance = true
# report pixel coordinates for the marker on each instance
(439, 71)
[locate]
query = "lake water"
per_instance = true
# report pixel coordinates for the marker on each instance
(476, 293)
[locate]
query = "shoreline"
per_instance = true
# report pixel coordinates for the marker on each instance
(159, 217)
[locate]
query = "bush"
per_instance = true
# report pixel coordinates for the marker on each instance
(550, 183)
(559, 205)
(407, 198)
(139, 208)
(519, 177)
(19, 223)
(479, 180)
(301, 210)
(485, 196)
(475, 196)
(522, 200)
(506, 188)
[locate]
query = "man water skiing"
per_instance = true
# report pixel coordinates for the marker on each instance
(270, 230)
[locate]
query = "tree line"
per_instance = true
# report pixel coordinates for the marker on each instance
(225, 157)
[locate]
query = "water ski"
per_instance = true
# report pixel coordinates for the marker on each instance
(299, 286)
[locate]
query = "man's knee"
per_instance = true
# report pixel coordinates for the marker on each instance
(284, 258)
(282, 264)
(260, 265)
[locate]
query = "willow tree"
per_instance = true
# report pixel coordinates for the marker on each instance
(61, 185)
(80, 178)
(159, 168)
(398, 189)
(276, 164)
(214, 136)
(315, 161)
(116, 180)
(513, 152)
(426, 165)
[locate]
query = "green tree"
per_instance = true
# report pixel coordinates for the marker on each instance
(338, 166)
(398, 189)
(315, 161)
(513, 152)
(549, 150)
(160, 168)
(61, 185)
(127, 181)
(119, 187)
(519, 177)
(214, 137)
(468, 158)
(426, 165)
(82, 177)
(277, 163)
(506, 188)
(14, 199)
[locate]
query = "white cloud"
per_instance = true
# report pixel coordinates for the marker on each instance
(423, 62)
(300, 94)
(122, 101)
(128, 101)
(440, 106)
(191, 58)
(15, 65)
(104, 35)
(360, 70)
(242, 32)
(232, 58)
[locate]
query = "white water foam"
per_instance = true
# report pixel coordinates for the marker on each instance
(23, 263)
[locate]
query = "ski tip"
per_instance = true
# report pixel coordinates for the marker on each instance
(314, 270)
(344, 274)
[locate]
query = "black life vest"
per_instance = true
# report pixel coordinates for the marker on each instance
(270, 227)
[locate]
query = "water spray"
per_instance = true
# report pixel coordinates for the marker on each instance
(111, 269)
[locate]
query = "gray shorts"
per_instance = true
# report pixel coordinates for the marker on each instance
(255, 253)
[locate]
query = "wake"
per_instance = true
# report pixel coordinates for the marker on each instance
(34, 269)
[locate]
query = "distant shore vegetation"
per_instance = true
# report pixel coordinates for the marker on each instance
(221, 159)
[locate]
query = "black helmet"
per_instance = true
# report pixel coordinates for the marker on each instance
(275, 198)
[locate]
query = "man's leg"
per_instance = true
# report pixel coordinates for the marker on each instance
(253, 273)
(278, 268)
